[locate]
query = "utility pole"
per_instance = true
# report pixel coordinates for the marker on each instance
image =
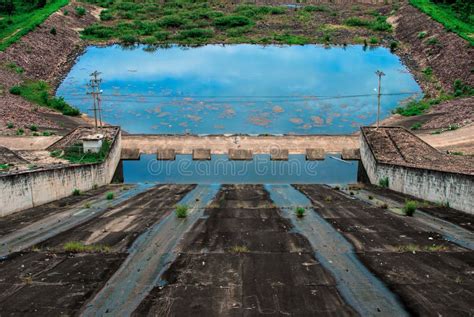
(380, 74)
(94, 85)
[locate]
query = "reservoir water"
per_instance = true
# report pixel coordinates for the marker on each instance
(250, 89)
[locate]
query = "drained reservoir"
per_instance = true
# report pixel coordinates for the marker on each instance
(240, 88)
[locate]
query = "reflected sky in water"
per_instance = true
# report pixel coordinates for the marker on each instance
(240, 88)
(261, 170)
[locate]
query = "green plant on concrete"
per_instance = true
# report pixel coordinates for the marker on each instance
(33, 127)
(416, 126)
(456, 153)
(53, 31)
(109, 196)
(422, 35)
(453, 127)
(181, 211)
(300, 212)
(80, 247)
(4, 167)
(76, 192)
(239, 249)
(20, 131)
(10, 125)
(47, 133)
(410, 207)
(384, 182)
(38, 92)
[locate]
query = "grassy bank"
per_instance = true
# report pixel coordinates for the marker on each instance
(22, 21)
(191, 22)
(448, 17)
(38, 92)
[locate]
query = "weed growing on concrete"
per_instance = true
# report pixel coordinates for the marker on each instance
(80, 247)
(33, 128)
(10, 125)
(384, 182)
(300, 212)
(53, 31)
(239, 249)
(410, 207)
(109, 196)
(76, 192)
(17, 69)
(4, 167)
(181, 211)
(20, 131)
(456, 153)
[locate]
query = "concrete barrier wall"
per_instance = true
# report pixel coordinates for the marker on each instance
(33, 188)
(430, 185)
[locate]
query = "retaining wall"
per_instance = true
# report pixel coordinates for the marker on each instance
(32, 188)
(431, 185)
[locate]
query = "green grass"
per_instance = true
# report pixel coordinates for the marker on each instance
(109, 196)
(37, 91)
(76, 192)
(181, 211)
(23, 22)
(300, 212)
(80, 247)
(447, 17)
(384, 182)
(75, 154)
(410, 207)
(377, 24)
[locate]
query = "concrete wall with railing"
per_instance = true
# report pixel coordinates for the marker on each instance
(19, 191)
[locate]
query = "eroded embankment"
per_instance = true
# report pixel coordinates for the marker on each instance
(430, 274)
(449, 56)
(47, 280)
(43, 56)
(245, 259)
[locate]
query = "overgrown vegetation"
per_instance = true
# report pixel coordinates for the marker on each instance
(110, 196)
(75, 153)
(199, 22)
(181, 211)
(410, 207)
(80, 247)
(18, 17)
(38, 91)
(417, 107)
(384, 182)
(456, 15)
(379, 23)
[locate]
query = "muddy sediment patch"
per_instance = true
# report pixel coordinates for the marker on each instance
(245, 258)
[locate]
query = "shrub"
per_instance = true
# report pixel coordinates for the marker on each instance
(232, 21)
(195, 34)
(300, 212)
(181, 211)
(98, 31)
(171, 21)
(66, 12)
(413, 108)
(162, 35)
(33, 128)
(393, 46)
(20, 131)
(53, 31)
(76, 192)
(10, 125)
(416, 126)
(55, 153)
(374, 40)
(106, 15)
(109, 196)
(410, 207)
(384, 182)
(80, 11)
(432, 41)
(15, 90)
(422, 35)
(461, 89)
(128, 39)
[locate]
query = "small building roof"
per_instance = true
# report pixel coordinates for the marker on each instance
(398, 146)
